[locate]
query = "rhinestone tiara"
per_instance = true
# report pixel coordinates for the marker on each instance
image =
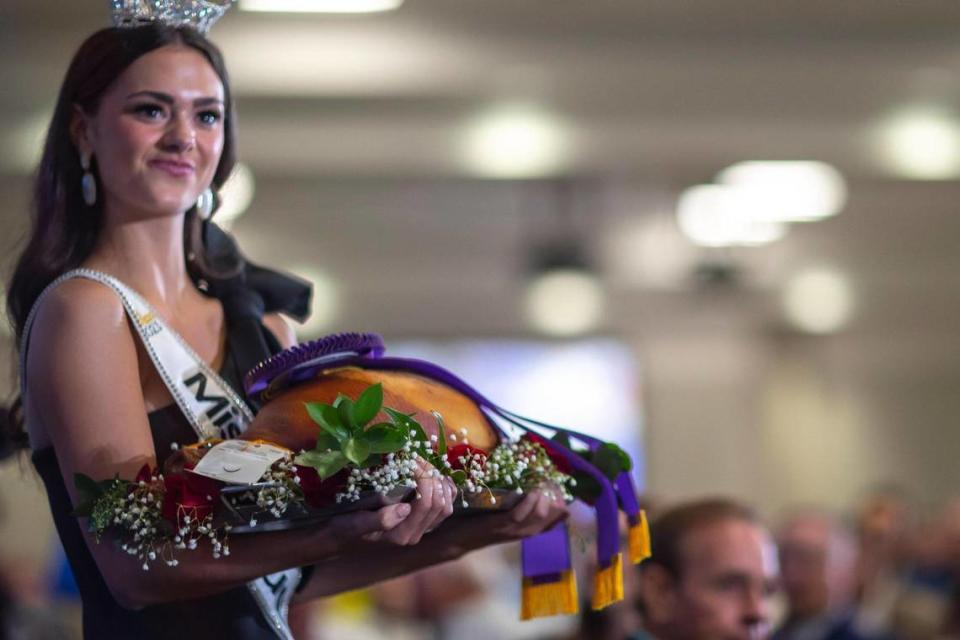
(199, 14)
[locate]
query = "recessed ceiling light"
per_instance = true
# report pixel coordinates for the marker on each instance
(818, 301)
(790, 191)
(515, 141)
(565, 302)
(321, 6)
(921, 143)
(713, 215)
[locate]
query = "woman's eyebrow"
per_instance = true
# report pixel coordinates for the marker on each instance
(168, 99)
(156, 95)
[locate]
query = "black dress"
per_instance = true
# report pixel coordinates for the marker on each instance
(232, 614)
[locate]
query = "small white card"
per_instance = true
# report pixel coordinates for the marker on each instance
(238, 461)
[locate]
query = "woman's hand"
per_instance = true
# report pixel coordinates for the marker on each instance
(539, 511)
(433, 505)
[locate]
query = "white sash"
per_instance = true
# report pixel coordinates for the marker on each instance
(208, 402)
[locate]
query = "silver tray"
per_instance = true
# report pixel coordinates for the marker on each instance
(302, 515)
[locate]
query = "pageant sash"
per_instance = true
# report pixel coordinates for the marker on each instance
(207, 401)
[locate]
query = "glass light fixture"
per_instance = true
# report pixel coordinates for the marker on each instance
(321, 6)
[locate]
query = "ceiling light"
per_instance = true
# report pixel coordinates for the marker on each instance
(713, 215)
(321, 6)
(818, 301)
(515, 142)
(921, 143)
(789, 191)
(565, 302)
(235, 196)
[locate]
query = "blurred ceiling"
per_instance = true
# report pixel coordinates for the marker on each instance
(353, 126)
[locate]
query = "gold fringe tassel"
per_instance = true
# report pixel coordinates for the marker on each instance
(550, 598)
(638, 539)
(608, 584)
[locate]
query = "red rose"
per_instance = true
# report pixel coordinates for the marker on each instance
(557, 456)
(143, 475)
(320, 493)
(458, 451)
(188, 494)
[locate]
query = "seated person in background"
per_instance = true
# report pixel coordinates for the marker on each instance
(818, 567)
(711, 575)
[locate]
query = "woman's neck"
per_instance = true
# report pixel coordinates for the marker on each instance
(148, 256)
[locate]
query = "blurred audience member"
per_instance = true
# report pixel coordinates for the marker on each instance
(711, 576)
(883, 522)
(926, 607)
(818, 568)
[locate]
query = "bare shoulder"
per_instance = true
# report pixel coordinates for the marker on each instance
(76, 312)
(82, 373)
(281, 328)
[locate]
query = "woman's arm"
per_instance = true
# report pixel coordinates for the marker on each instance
(83, 387)
(537, 512)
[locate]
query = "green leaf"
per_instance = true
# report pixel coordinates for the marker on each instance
(459, 476)
(326, 442)
(373, 460)
(368, 405)
(611, 460)
(587, 488)
(88, 488)
(327, 463)
(356, 450)
(328, 419)
(441, 434)
(407, 423)
(385, 438)
(344, 407)
(84, 509)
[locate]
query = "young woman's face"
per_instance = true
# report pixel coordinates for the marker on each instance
(158, 134)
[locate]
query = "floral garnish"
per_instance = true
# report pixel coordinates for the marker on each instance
(155, 515)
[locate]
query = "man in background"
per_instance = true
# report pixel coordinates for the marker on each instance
(818, 568)
(713, 570)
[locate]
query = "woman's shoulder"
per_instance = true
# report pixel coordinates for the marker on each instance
(281, 329)
(76, 317)
(79, 305)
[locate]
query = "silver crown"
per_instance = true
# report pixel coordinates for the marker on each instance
(199, 14)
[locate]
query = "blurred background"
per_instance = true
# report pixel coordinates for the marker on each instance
(723, 232)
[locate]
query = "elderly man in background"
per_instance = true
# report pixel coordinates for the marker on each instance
(712, 573)
(818, 568)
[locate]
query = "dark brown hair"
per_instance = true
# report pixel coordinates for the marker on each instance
(63, 228)
(668, 531)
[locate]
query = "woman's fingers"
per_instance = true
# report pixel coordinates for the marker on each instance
(447, 492)
(526, 506)
(410, 531)
(367, 523)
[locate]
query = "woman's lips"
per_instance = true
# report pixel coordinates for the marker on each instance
(176, 169)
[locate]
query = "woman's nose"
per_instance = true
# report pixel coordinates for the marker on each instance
(180, 135)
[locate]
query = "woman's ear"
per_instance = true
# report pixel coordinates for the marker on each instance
(80, 130)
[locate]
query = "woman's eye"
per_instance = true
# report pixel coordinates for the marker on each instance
(209, 117)
(151, 111)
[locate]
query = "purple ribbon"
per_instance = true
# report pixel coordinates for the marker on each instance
(547, 555)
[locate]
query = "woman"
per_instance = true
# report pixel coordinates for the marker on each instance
(142, 128)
